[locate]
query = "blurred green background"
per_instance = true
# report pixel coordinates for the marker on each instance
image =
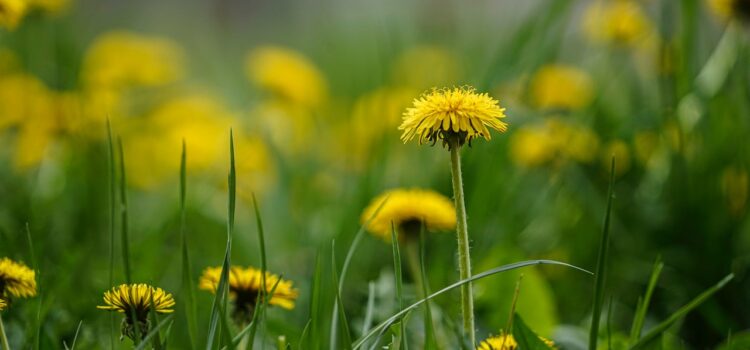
(314, 91)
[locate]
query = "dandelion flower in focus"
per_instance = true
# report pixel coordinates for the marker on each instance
(288, 74)
(245, 286)
(561, 87)
(11, 12)
(731, 9)
(506, 342)
(409, 210)
(16, 280)
(457, 114)
(617, 22)
(136, 300)
(120, 59)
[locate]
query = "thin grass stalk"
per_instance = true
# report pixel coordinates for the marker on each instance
(124, 214)
(462, 231)
(112, 199)
(3, 336)
(187, 278)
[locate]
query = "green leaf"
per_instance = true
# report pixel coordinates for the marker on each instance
(525, 337)
(642, 307)
(347, 341)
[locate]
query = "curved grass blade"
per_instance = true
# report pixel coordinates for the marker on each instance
(640, 312)
(304, 335)
(601, 264)
(490, 272)
(342, 313)
(697, 301)
(370, 307)
(401, 338)
(345, 268)
(259, 311)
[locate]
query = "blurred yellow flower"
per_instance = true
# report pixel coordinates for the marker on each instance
(22, 97)
(11, 12)
(619, 149)
(620, 22)
(51, 6)
(645, 144)
(459, 113)
(557, 86)
(422, 67)
(137, 300)
(574, 141)
(735, 183)
(288, 74)
(506, 342)
(245, 286)
(253, 165)
(408, 210)
(120, 59)
(531, 146)
(731, 9)
(16, 280)
(289, 126)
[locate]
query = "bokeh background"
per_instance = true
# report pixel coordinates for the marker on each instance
(314, 92)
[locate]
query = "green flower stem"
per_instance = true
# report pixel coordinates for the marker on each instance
(462, 231)
(3, 337)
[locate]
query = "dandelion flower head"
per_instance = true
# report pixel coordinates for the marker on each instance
(408, 210)
(617, 22)
(288, 74)
(137, 298)
(506, 342)
(459, 114)
(16, 280)
(11, 12)
(558, 86)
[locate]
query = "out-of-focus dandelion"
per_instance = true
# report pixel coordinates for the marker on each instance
(620, 150)
(728, 10)
(50, 6)
(574, 141)
(455, 116)
(506, 342)
(422, 67)
(553, 141)
(409, 210)
(136, 301)
(621, 23)
(287, 74)
(289, 126)
(735, 184)
(531, 146)
(16, 280)
(11, 12)
(246, 290)
(561, 87)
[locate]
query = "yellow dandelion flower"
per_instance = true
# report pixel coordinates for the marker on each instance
(288, 74)
(408, 210)
(11, 12)
(559, 86)
(452, 115)
(245, 285)
(120, 59)
(531, 146)
(506, 342)
(730, 9)
(137, 300)
(16, 280)
(617, 22)
(422, 67)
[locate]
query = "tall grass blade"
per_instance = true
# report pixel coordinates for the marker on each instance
(684, 310)
(166, 321)
(124, 214)
(222, 289)
(430, 342)
(601, 264)
(347, 341)
(388, 322)
(112, 199)
(263, 268)
(75, 337)
(642, 309)
(316, 296)
(187, 277)
(401, 338)
(304, 335)
(37, 328)
(345, 269)
(369, 311)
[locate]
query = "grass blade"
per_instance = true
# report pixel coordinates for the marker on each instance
(263, 268)
(304, 335)
(399, 283)
(316, 296)
(601, 264)
(661, 327)
(187, 277)
(370, 307)
(476, 277)
(342, 313)
(642, 309)
(75, 336)
(37, 328)
(222, 290)
(167, 321)
(429, 333)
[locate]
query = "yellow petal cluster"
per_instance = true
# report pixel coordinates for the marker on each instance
(138, 298)
(408, 209)
(288, 74)
(506, 342)
(16, 280)
(558, 86)
(247, 281)
(458, 112)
